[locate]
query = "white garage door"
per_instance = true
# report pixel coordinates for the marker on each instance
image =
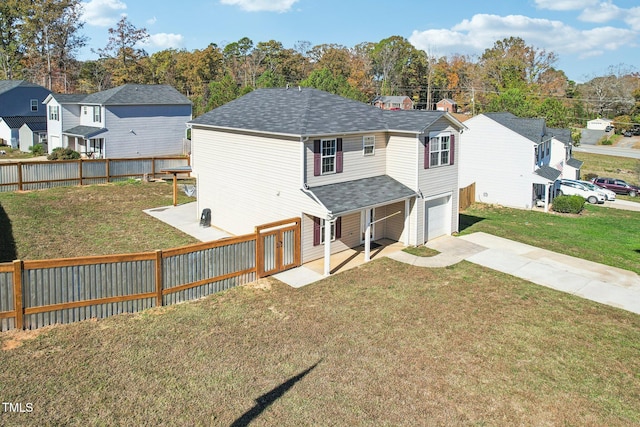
(437, 217)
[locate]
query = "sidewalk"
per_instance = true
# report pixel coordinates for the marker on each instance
(186, 219)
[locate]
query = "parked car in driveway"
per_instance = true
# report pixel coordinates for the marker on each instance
(574, 188)
(619, 186)
(608, 194)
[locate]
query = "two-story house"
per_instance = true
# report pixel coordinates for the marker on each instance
(131, 120)
(515, 161)
(342, 166)
(20, 103)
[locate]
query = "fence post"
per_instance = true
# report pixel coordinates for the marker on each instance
(158, 278)
(107, 168)
(153, 167)
(17, 293)
(20, 176)
(80, 170)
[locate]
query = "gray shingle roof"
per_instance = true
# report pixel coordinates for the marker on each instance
(310, 112)
(84, 131)
(137, 94)
(7, 85)
(532, 129)
(349, 196)
(563, 135)
(548, 172)
(15, 122)
(37, 126)
(575, 163)
(68, 98)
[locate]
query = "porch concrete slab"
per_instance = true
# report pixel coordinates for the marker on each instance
(187, 219)
(299, 276)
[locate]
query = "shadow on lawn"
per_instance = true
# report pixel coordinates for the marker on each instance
(264, 401)
(8, 251)
(467, 221)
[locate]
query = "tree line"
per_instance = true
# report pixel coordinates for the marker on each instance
(40, 40)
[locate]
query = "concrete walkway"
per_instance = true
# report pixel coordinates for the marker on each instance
(187, 219)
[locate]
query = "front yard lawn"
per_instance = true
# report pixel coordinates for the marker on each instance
(386, 344)
(605, 235)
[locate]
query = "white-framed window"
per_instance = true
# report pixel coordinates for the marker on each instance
(328, 150)
(96, 113)
(439, 149)
(85, 110)
(54, 112)
(95, 148)
(333, 230)
(368, 145)
(34, 105)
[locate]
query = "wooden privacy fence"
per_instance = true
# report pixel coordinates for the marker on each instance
(21, 176)
(38, 293)
(467, 196)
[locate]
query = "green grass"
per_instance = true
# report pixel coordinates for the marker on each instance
(605, 235)
(422, 251)
(610, 166)
(90, 220)
(385, 344)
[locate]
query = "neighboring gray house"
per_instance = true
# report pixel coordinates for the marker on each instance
(514, 161)
(340, 165)
(131, 120)
(19, 100)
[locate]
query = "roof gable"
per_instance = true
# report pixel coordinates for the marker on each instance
(137, 94)
(532, 129)
(7, 85)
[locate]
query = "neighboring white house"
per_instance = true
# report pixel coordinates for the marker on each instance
(599, 124)
(514, 161)
(127, 121)
(32, 133)
(340, 165)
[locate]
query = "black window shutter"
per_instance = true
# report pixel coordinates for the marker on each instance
(339, 228)
(426, 152)
(339, 155)
(452, 149)
(316, 231)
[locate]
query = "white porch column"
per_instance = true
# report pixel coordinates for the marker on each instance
(367, 235)
(547, 196)
(327, 247)
(407, 206)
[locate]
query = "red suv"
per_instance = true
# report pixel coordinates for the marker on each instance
(617, 185)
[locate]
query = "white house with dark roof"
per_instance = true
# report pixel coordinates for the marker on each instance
(515, 161)
(342, 166)
(131, 120)
(20, 103)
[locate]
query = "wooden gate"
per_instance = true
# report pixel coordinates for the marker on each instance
(277, 246)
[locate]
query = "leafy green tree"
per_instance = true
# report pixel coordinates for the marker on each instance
(222, 91)
(123, 53)
(12, 13)
(555, 113)
(391, 59)
(324, 79)
(513, 100)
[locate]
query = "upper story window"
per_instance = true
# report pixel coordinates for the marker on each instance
(439, 149)
(54, 112)
(34, 105)
(327, 156)
(329, 150)
(96, 113)
(368, 145)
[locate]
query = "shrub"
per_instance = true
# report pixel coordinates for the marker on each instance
(63, 154)
(606, 142)
(589, 176)
(568, 204)
(37, 150)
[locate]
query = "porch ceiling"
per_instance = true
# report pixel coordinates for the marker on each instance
(351, 196)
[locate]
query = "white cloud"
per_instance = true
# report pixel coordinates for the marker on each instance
(152, 21)
(165, 41)
(603, 12)
(632, 17)
(262, 5)
(480, 33)
(102, 13)
(566, 4)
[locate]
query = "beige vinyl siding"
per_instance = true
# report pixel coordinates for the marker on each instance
(355, 164)
(438, 180)
(392, 227)
(262, 187)
(499, 161)
(350, 237)
(401, 159)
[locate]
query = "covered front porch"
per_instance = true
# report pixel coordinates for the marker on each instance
(83, 140)
(361, 216)
(543, 182)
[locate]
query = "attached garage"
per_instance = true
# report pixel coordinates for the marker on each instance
(437, 216)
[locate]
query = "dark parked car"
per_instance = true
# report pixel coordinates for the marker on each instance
(617, 185)
(628, 134)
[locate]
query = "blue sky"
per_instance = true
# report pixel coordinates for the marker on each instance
(589, 36)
